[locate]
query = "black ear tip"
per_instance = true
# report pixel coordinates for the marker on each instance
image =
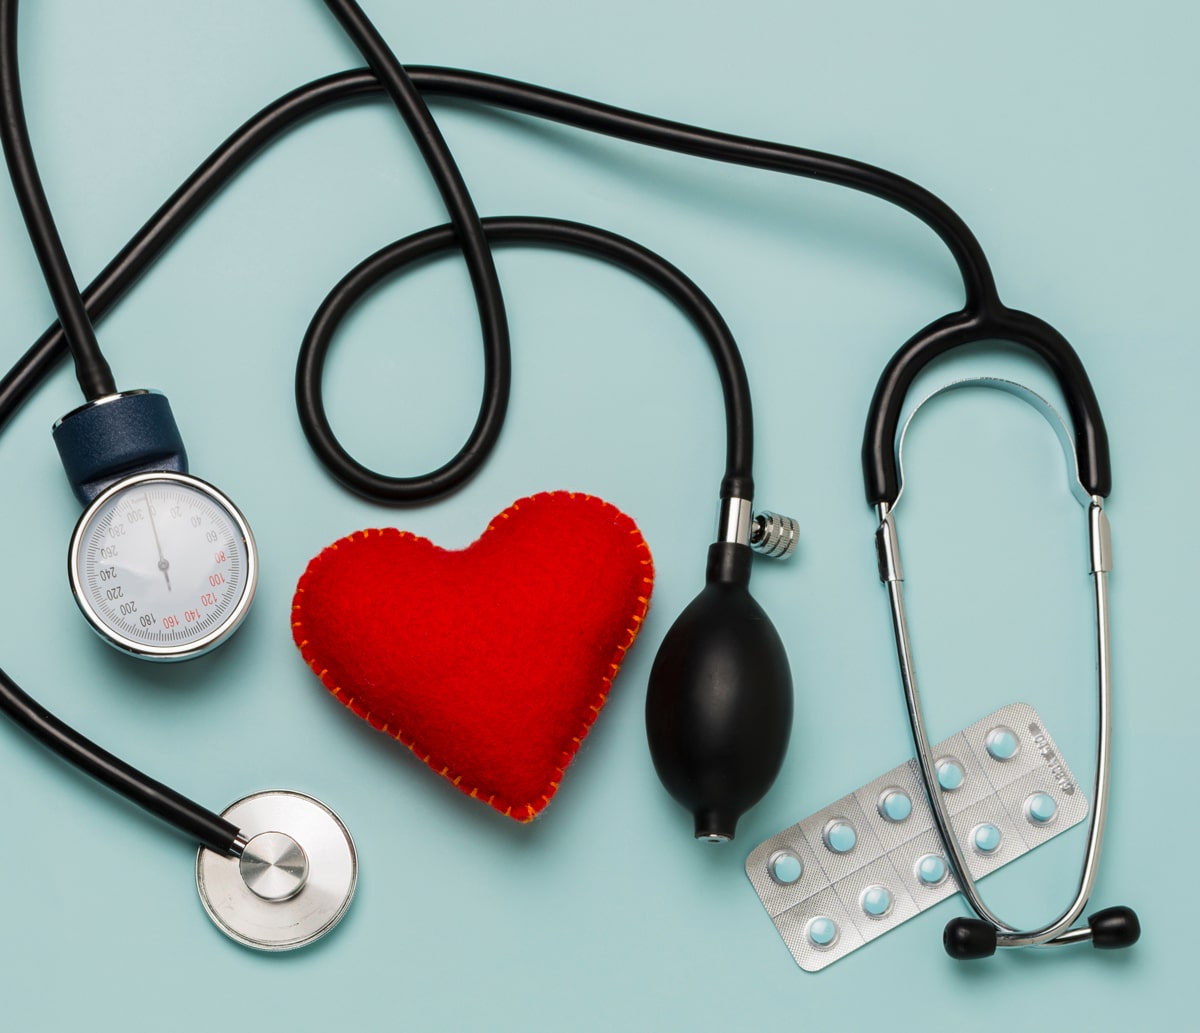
(1114, 928)
(966, 939)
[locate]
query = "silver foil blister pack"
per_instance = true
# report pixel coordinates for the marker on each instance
(853, 870)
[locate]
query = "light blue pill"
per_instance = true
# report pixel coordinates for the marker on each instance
(822, 931)
(876, 901)
(986, 838)
(840, 837)
(785, 867)
(932, 869)
(895, 805)
(1001, 743)
(1040, 808)
(949, 774)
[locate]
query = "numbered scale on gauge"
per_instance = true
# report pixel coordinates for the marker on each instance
(163, 566)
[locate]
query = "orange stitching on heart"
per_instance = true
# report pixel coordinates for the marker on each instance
(586, 719)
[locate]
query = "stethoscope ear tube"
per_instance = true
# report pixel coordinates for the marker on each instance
(880, 468)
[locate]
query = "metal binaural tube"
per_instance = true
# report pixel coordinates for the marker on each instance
(1059, 930)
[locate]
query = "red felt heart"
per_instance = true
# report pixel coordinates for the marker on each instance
(490, 663)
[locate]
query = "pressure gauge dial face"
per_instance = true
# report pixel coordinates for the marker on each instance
(163, 566)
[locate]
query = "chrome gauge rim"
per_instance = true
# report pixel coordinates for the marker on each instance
(191, 631)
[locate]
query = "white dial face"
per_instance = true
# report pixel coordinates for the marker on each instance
(163, 566)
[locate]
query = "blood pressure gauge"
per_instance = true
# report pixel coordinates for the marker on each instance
(163, 566)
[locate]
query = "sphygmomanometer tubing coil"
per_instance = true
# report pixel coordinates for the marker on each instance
(489, 301)
(186, 815)
(880, 471)
(91, 369)
(559, 233)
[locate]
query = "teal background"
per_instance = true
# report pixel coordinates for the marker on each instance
(1064, 133)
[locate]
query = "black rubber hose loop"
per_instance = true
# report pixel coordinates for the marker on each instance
(556, 233)
(471, 243)
(998, 323)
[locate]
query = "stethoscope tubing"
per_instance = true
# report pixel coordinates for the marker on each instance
(189, 817)
(296, 107)
(994, 322)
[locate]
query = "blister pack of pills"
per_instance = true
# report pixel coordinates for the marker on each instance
(853, 870)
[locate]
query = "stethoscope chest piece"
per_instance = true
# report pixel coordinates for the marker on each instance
(295, 876)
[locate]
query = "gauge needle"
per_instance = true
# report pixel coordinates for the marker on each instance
(163, 563)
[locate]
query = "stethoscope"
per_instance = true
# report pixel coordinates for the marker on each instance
(719, 704)
(1087, 453)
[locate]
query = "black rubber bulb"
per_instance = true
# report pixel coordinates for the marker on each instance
(1114, 928)
(719, 705)
(966, 939)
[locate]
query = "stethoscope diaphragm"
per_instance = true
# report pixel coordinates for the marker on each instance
(294, 879)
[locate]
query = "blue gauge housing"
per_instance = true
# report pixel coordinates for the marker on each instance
(116, 436)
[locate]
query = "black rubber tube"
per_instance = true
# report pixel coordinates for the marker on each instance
(880, 471)
(473, 245)
(589, 240)
(91, 369)
(343, 87)
(169, 221)
(665, 134)
(186, 815)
